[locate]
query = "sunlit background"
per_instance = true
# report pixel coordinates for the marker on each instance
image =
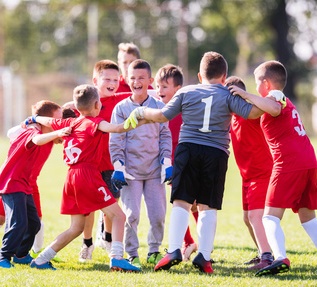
(47, 47)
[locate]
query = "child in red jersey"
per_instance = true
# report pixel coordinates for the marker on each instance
(83, 151)
(106, 80)
(293, 182)
(255, 163)
(25, 160)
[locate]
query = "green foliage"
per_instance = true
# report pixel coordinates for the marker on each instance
(233, 246)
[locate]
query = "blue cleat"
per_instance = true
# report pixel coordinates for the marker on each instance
(5, 263)
(23, 260)
(47, 265)
(122, 265)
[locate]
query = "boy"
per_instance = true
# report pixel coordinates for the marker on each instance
(24, 162)
(146, 155)
(83, 150)
(293, 182)
(106, 80)
(169, 79)
(201, 156)
(255, 163)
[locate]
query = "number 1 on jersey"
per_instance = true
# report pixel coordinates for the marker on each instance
(208, 102)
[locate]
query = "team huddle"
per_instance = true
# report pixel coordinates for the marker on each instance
(124, 140)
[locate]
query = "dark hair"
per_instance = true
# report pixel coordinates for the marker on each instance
(213, 65)
(85, 96)
(141, 64)
(68, 113)
(45, 108)
(273, 71)
(235, 81)
(170, 71)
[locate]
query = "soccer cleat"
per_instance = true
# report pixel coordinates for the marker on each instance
(135, 261)
(262, 264)
(86, 253)
(154, 257)
(123, 265)
(5, 263)
(202, 264)
(36, 254)
(106, 245)
(169, 260)
(188, 250)
(23, 260)
(47, 265)
(254, 260)
(278, 266)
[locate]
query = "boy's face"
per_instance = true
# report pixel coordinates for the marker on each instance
(139, 80)
(166, 89)
(107, 82)
(124, 60)
(261, 85)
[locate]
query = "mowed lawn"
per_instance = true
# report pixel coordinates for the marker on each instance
(233, 245)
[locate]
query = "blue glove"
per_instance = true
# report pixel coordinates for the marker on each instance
(166, 170)
(118, 177)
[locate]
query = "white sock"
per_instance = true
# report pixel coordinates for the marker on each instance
(45, 256)
(311, 229)
(275, 236)
(179, 220)
(116, 249)
(206, 231)
(39, 239)
(99, 227)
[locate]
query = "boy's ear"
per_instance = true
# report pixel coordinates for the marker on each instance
(94, 81)
(151, 80)
(199, 77)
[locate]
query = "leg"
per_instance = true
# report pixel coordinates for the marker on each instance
(39, 239)
(309, 222)
(87, 246)
(131, 196)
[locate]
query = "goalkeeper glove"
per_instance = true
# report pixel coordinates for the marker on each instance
(136, 114)
(166, 170)
(278, 96)
(119, 176)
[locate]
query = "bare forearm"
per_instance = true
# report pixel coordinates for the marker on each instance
(45, 121)
(154, 115)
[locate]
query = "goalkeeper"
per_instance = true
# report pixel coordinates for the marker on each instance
(142, 163)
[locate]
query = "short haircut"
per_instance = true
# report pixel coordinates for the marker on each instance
(235, 81)
(104, 65)
(273, 71)
(213, 65)
(141, 64)
(84, 97)
(68, 113)
(170, 71)
(45, 108)
(129, 48)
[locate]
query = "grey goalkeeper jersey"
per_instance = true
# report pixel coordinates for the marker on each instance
(206, 113)
(143, 148)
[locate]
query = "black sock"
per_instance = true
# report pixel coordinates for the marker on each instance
(88, 242)
(108, 237)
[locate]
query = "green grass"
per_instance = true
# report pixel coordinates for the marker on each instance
(233, 246)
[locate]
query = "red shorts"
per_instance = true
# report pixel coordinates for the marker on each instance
(294, 190)
(254, 193)
(85, 191)
(36, 198)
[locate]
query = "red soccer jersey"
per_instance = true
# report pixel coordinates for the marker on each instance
(175, 126)
(84, 144)
(24, 163)
(250, 149)
(108, 104)
(290, 146)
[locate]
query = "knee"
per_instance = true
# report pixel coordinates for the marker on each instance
(2, 219)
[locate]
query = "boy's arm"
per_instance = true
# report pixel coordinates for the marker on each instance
(45, 121)
(267, 104)
(117, 128)
(42, 139)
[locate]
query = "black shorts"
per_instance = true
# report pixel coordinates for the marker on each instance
(199, 174)
(106, 176)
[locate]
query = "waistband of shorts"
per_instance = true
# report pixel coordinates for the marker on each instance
(83, 165)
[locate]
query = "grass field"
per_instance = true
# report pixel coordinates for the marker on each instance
(233, 246)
